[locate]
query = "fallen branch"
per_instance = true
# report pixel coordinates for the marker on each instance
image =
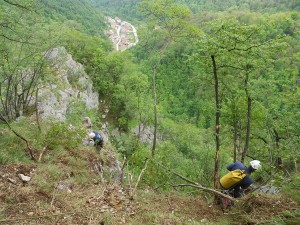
(177, 174)
(41, 154)
(99, 169)
(138, 180)
(12, 181)
(122, 170)
(194, 184)
(208, 190)
(29, 148)
(169, 202)
(130, 178)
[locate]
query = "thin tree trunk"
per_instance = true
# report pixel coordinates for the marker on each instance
(15, 101)
(277, 143)
(37, 110)
(122, 170)
(235, 139)
(138, 180)
(193, 183)
(249, 102)
(8, 98)
(154, 96)
(239, 137)
(217, 128)
(197, 118)
(155, 106)
(155, 112)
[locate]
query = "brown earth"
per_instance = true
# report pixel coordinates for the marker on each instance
(99, 203)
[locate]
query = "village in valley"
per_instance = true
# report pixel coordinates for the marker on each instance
(121, 33)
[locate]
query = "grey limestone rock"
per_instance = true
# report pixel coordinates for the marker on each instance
(67, 85)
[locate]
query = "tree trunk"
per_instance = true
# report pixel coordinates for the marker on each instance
(197, 117)
(249, 102)
(217, 128)
(154, 95)
(37, 110)
(277, 141)
(155, 112)
(235, 139)
(155, 106)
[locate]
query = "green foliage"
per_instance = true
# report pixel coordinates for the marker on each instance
(77, 111)
(166, 14)
(127, 145)
(22, 61)
(13, 149)
(16, 20)
(184, 149)
(246, 5)
(243, 43)
(126, 9)
(107, 70)
(132, 96)
(291, 187)
(58, 137)
(62, 134)
(82, 46)
(79, 13)
(169, 156)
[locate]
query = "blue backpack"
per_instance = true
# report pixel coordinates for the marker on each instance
(98, 137)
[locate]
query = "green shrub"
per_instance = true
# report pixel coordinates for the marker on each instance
(292, 188)
(62, 134)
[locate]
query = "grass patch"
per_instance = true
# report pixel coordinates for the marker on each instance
(2, 216)
(46, 176)
(12, 148)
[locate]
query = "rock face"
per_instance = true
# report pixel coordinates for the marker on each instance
(68, 84)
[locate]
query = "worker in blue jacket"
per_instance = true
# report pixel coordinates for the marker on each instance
(237, 190)
(97, 139)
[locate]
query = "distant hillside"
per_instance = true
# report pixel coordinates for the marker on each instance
(125, 9)
(128, 9)
(83, 13)
(264, 6)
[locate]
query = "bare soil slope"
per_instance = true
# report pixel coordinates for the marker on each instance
(94, 202)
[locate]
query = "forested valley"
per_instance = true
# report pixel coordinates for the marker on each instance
(199, 85)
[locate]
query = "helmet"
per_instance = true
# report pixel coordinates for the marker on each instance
(255, 164)
(91, 135)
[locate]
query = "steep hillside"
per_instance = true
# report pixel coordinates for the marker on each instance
(129, 9)
(80, 14)
(197, 91)
(79, 188)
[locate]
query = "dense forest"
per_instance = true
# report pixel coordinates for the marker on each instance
(214, 81)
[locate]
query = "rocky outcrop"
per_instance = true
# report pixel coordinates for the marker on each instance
(66, 86)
